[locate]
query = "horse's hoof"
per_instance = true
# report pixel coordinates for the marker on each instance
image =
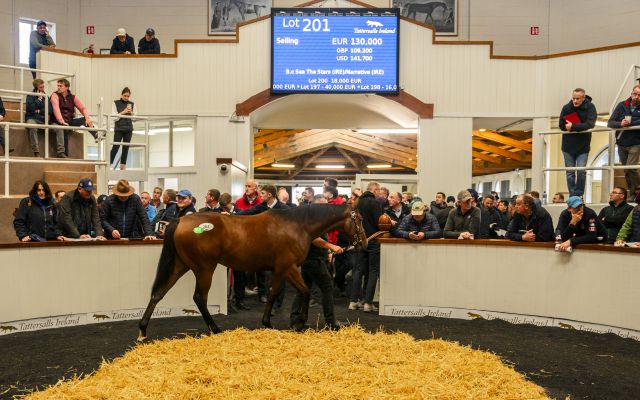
(141, 339)
(267, 325)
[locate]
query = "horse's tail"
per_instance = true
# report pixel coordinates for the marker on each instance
(167, 261)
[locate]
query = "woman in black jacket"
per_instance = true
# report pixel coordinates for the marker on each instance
(123, 130)
(36, 218)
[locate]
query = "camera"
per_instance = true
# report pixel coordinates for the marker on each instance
(224, 168)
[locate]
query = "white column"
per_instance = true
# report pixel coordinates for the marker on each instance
(540, 158)
(444, 156)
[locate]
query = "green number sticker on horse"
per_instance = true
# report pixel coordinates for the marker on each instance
(198, 230)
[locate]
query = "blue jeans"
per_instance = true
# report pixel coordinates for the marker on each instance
(576, 181)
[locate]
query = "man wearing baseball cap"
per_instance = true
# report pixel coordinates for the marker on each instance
(122, 43)
(38, 40)
(579, 224)
(185, 201)
(149, 44)
(78, 216)
(418, 225)
(464, 220)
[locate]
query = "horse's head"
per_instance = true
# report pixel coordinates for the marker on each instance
(355, 231)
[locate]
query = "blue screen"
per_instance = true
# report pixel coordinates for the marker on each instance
(334, 50)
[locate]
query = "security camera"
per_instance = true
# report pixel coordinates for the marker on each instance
(224, 168)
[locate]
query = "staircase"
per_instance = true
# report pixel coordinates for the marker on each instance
(66, 177)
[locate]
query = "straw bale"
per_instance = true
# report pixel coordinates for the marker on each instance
(271, 364)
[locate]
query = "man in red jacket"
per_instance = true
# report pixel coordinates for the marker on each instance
(250, 198)
(331, 194)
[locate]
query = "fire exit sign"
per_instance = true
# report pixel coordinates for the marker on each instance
(91, 29)
(535, 31)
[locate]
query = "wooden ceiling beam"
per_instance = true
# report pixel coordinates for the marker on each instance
(485, 157)
(348, 157)
(496, 137)
(518, 156)
(309, 161)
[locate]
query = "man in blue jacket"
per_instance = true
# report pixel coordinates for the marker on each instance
(577, 116)
(625, 115)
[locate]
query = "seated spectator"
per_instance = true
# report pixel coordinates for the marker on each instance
(451, 202)
(38, 40)
(314, 269)
(63, 106)
(440, 209)
(512, 206)
(122, 43)
(630, 231)
(529, 223)
(268, 193)
(558, 198)
(489, 219)
(35, 114)
(37, 216)
(464, 220)
(3, 113)
(211, 201)
(396, 210)
(615, 214)
(185, 202)
(149, 44)
(123, 215)
(579, 224)
(407, 198)
(146, 204)
(78, 216)
(419, 225)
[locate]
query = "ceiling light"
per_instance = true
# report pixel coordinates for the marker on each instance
(482, 130)
(329, 166)
(279, 165)
(390, 131)
(373, 166)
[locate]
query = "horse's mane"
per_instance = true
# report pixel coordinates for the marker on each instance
(306, 213)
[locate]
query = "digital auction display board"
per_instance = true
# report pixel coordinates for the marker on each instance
(334, 50)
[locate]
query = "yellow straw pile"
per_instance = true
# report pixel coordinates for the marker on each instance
(271, 364)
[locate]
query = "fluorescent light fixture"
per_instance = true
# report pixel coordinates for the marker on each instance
(601, 123)
(329, 166)
(390, 131)
(279, 165)
(373, 166)
(155, 131)
(482, 130)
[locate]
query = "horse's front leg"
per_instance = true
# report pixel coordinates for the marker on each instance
(274, 286)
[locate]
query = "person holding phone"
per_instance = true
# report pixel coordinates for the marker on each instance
(39, 39)
(123, 130)
(419, 224)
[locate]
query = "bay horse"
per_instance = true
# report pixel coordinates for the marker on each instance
(276, 240)
(425, 8)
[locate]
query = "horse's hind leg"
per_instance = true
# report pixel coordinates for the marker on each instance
(274, 286)
(200, 295)
(160, 289)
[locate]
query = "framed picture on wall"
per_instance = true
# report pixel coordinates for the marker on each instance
(442, 14)
(224, 15)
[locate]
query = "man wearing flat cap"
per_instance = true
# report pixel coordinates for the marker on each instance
(418, 225)
(579, 224)
(78, 216)
(464, 220)
(123, 215)
(149, 44)
(122, 43)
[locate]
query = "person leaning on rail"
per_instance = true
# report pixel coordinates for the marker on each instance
(123, 215)
(578, 224)
(615, 214)
(419, 224)
(464, 220)
(78, 216)
(529, 223)
(578, 115)
(627, 114)
(122, 43)
(630, 231)
(149, 44)
(38, 40)
(37, 217)
(396, 210)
